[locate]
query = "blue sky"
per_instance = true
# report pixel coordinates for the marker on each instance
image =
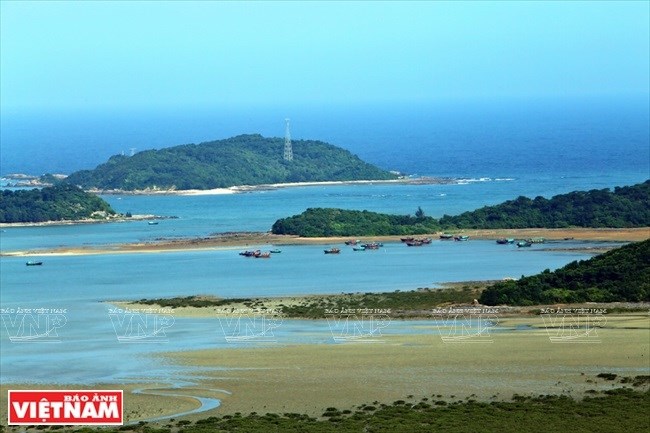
(204, 54)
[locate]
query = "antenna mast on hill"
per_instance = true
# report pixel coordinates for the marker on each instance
(288, 151)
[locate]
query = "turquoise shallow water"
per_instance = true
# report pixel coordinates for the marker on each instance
(87, 348)
(503, 150)
(71, 280)
(257, 211)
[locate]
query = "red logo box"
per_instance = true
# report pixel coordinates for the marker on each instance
(67, 407)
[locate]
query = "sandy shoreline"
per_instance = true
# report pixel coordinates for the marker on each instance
(244, 240)
(117, 219)
(271, 186)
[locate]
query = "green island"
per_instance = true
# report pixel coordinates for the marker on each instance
(620, 275)
(622, 208)
(56, 203)
(241, 160)
(326, 222)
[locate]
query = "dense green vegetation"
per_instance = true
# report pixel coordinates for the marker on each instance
(624, 207)
(617, 410)
(241, 160)
(619, 275)
(318, 222)
(56, 203)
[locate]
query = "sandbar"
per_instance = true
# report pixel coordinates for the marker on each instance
(272, 186)
(245, 239)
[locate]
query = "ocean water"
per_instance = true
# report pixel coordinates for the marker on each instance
(540, 140)
(502, 150)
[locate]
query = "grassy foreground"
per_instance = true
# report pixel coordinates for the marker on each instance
(618, 410)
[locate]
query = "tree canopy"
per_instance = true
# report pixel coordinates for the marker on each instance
(317, 222)
(619, 275)
(241, 160)
(627, 206)
(624, 207)
(55, 203)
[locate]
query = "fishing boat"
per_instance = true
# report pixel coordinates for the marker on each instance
(524, 244)
(332, 251)
(446, 236)
(461, 238)
(424, 240)
(250, 253)
(265, 255)
(275, 251)
(414, 244)
(153, 223)
(407, 239)
(361, 248)
(352, 242)
(372, 245)
(33, 263)
(504, 241)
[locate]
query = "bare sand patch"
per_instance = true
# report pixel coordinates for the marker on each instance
(309, 378)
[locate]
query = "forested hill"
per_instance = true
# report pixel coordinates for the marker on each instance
(624, 207)
(619, 275)
(627, 206)
(56, 203)
(241, 160)
(320, 222)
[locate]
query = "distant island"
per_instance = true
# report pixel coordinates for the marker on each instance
(620, 275)
(241, 160)
(56, 203)
(625, 207)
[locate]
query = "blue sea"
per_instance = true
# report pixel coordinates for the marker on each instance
(547, 142)
(501, 150)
